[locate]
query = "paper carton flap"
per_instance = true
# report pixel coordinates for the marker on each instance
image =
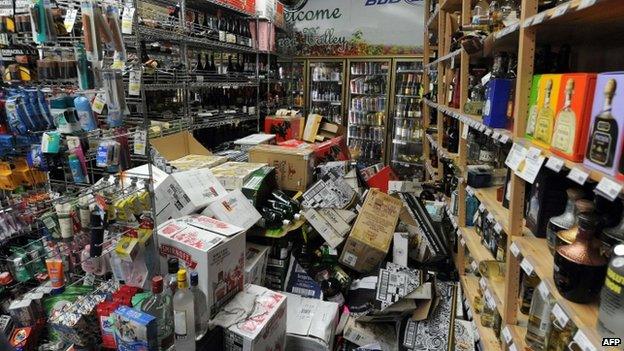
(212, 225)
(175, 146)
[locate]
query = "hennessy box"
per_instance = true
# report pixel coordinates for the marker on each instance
(573, 117)
(606, 133)
(284, 128)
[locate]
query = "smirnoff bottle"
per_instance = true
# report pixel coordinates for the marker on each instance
(565, 126)
(604, 132)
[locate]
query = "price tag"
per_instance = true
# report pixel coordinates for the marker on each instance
(583, 341)
(527, 267)
(504, 138)
(483, 283)
(561, 316)
(127, 19)
(70, 19)
(543, 290)
(512, 347)
(488, 132)
(475, 266)
(514, 249)
(462, 242)
(498, 228)
(539, 18)
(516, 156)
(465, 131)
(585, 3)
(476, 216)
(482, 207)
(486, 78)
(490, 299)
(534, 152)
(527, 22)
(578, 175)
(140, 142)
(490, 217)
(495, 135)
(560, 10)
(98, 104)
(506, 335)
(531, 168)
(609, 188)
(134, 86)
(554, 163)
(469, 190)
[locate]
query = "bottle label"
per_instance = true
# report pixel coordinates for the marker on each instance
(600, 150)
(564, 135)
(179, 318)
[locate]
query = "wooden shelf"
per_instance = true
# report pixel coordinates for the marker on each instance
(487, 197)
(535, 250)
(443, 59)
(474, 245)
(450, 5)
(518, 334)
(470, 288)
(432, 23)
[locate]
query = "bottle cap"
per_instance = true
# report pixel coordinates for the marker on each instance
(194, 278)
(173, 265)
(157, 284)
(618, 250)
(182, 275)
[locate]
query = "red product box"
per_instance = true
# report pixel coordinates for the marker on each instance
(284, 128)
(380, 179)
(104, 309)
(334, 149)
(293, 143)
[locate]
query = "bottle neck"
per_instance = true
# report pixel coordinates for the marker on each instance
(568, 100)
(585, 235)
(607, 104)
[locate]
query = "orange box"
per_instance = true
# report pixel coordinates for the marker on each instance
(571, 129)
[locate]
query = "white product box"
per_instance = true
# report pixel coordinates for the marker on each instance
(255, 263)
(234, 208)
(311, 324)
(255, 320)
(255, 139)
(219, 260)
(201, 186)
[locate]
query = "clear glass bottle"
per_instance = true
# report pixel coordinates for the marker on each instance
(559, 337)
(564, 221)
(611, 313)
(539, 320)
(160, 306)
(201, 308)
(184, 315)
(529, 283)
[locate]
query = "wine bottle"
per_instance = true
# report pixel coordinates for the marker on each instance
(221, 25)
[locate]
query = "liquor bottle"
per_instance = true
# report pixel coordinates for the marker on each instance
(213, 67)
(184, 314)
(563, 221)
(332, 291)
(579, 268)
(539, 319)
(171, 279)
(559, 336)
(545, 117)
(611, 313)
(230, 66)
(567, 236)
(201, 308)
(615, 233)
(529, 283)
(160, 306)
(221, 25)
(604, 132)
(564, 134)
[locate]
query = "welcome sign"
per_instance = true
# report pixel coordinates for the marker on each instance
(355, 28)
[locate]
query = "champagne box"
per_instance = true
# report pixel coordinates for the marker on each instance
(255, 320)
(545, 120)
(371, 235)
(606, 131)
(534, 105)
(573, 117)
(215, 249)
(284, 127)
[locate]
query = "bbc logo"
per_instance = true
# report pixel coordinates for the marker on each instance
(611, 341)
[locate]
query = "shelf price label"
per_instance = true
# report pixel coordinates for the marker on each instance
(490, 217)
(512, 347)
(462, 242)
(507, 335)
(488, 132)
(465, 130)
(481, 207)
(483, 283)
(495, 135)
(543, 290)
(554, 163)
(578, 175)
(609, 188)
(469, 190)
(504, 138)
(560, 315)
(527, 267)
(515, 250)
(498, 228)
(474, 266)
(533, 163)
(489, 298)
(539, 18)
(583, 341)
(585, 3)
(516, 156)
(560, 10)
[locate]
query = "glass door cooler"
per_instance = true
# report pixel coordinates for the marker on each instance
(298, 88)
(326, 89)
(368, 106)
(406, 124)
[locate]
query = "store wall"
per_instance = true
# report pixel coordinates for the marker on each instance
(356, 27)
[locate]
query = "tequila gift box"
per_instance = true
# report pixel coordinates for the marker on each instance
(545, 121)
(497, 98)
(604, 144)
(535, 103)
(576, 95)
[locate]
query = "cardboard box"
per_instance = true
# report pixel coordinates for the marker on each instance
(381, 179)
(178, 145)
(293, 167)
(233, 175)
(334, 149)
(311, 323)
(218, 259)
(284, 127)
(312, 127)
(255, 320)
(369, 240)
(255, 139)
(300, 283)
(197, 161)
(258, 188)
(234, 208)
(255, 263)
(135, 330)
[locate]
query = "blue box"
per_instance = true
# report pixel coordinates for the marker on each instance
(135, 330)
(497, 98)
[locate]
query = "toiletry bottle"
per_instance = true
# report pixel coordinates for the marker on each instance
(85, 113)
(76, 169)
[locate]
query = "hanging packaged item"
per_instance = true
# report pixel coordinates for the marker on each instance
(545, 122)
(606, 132)
(576, 96)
